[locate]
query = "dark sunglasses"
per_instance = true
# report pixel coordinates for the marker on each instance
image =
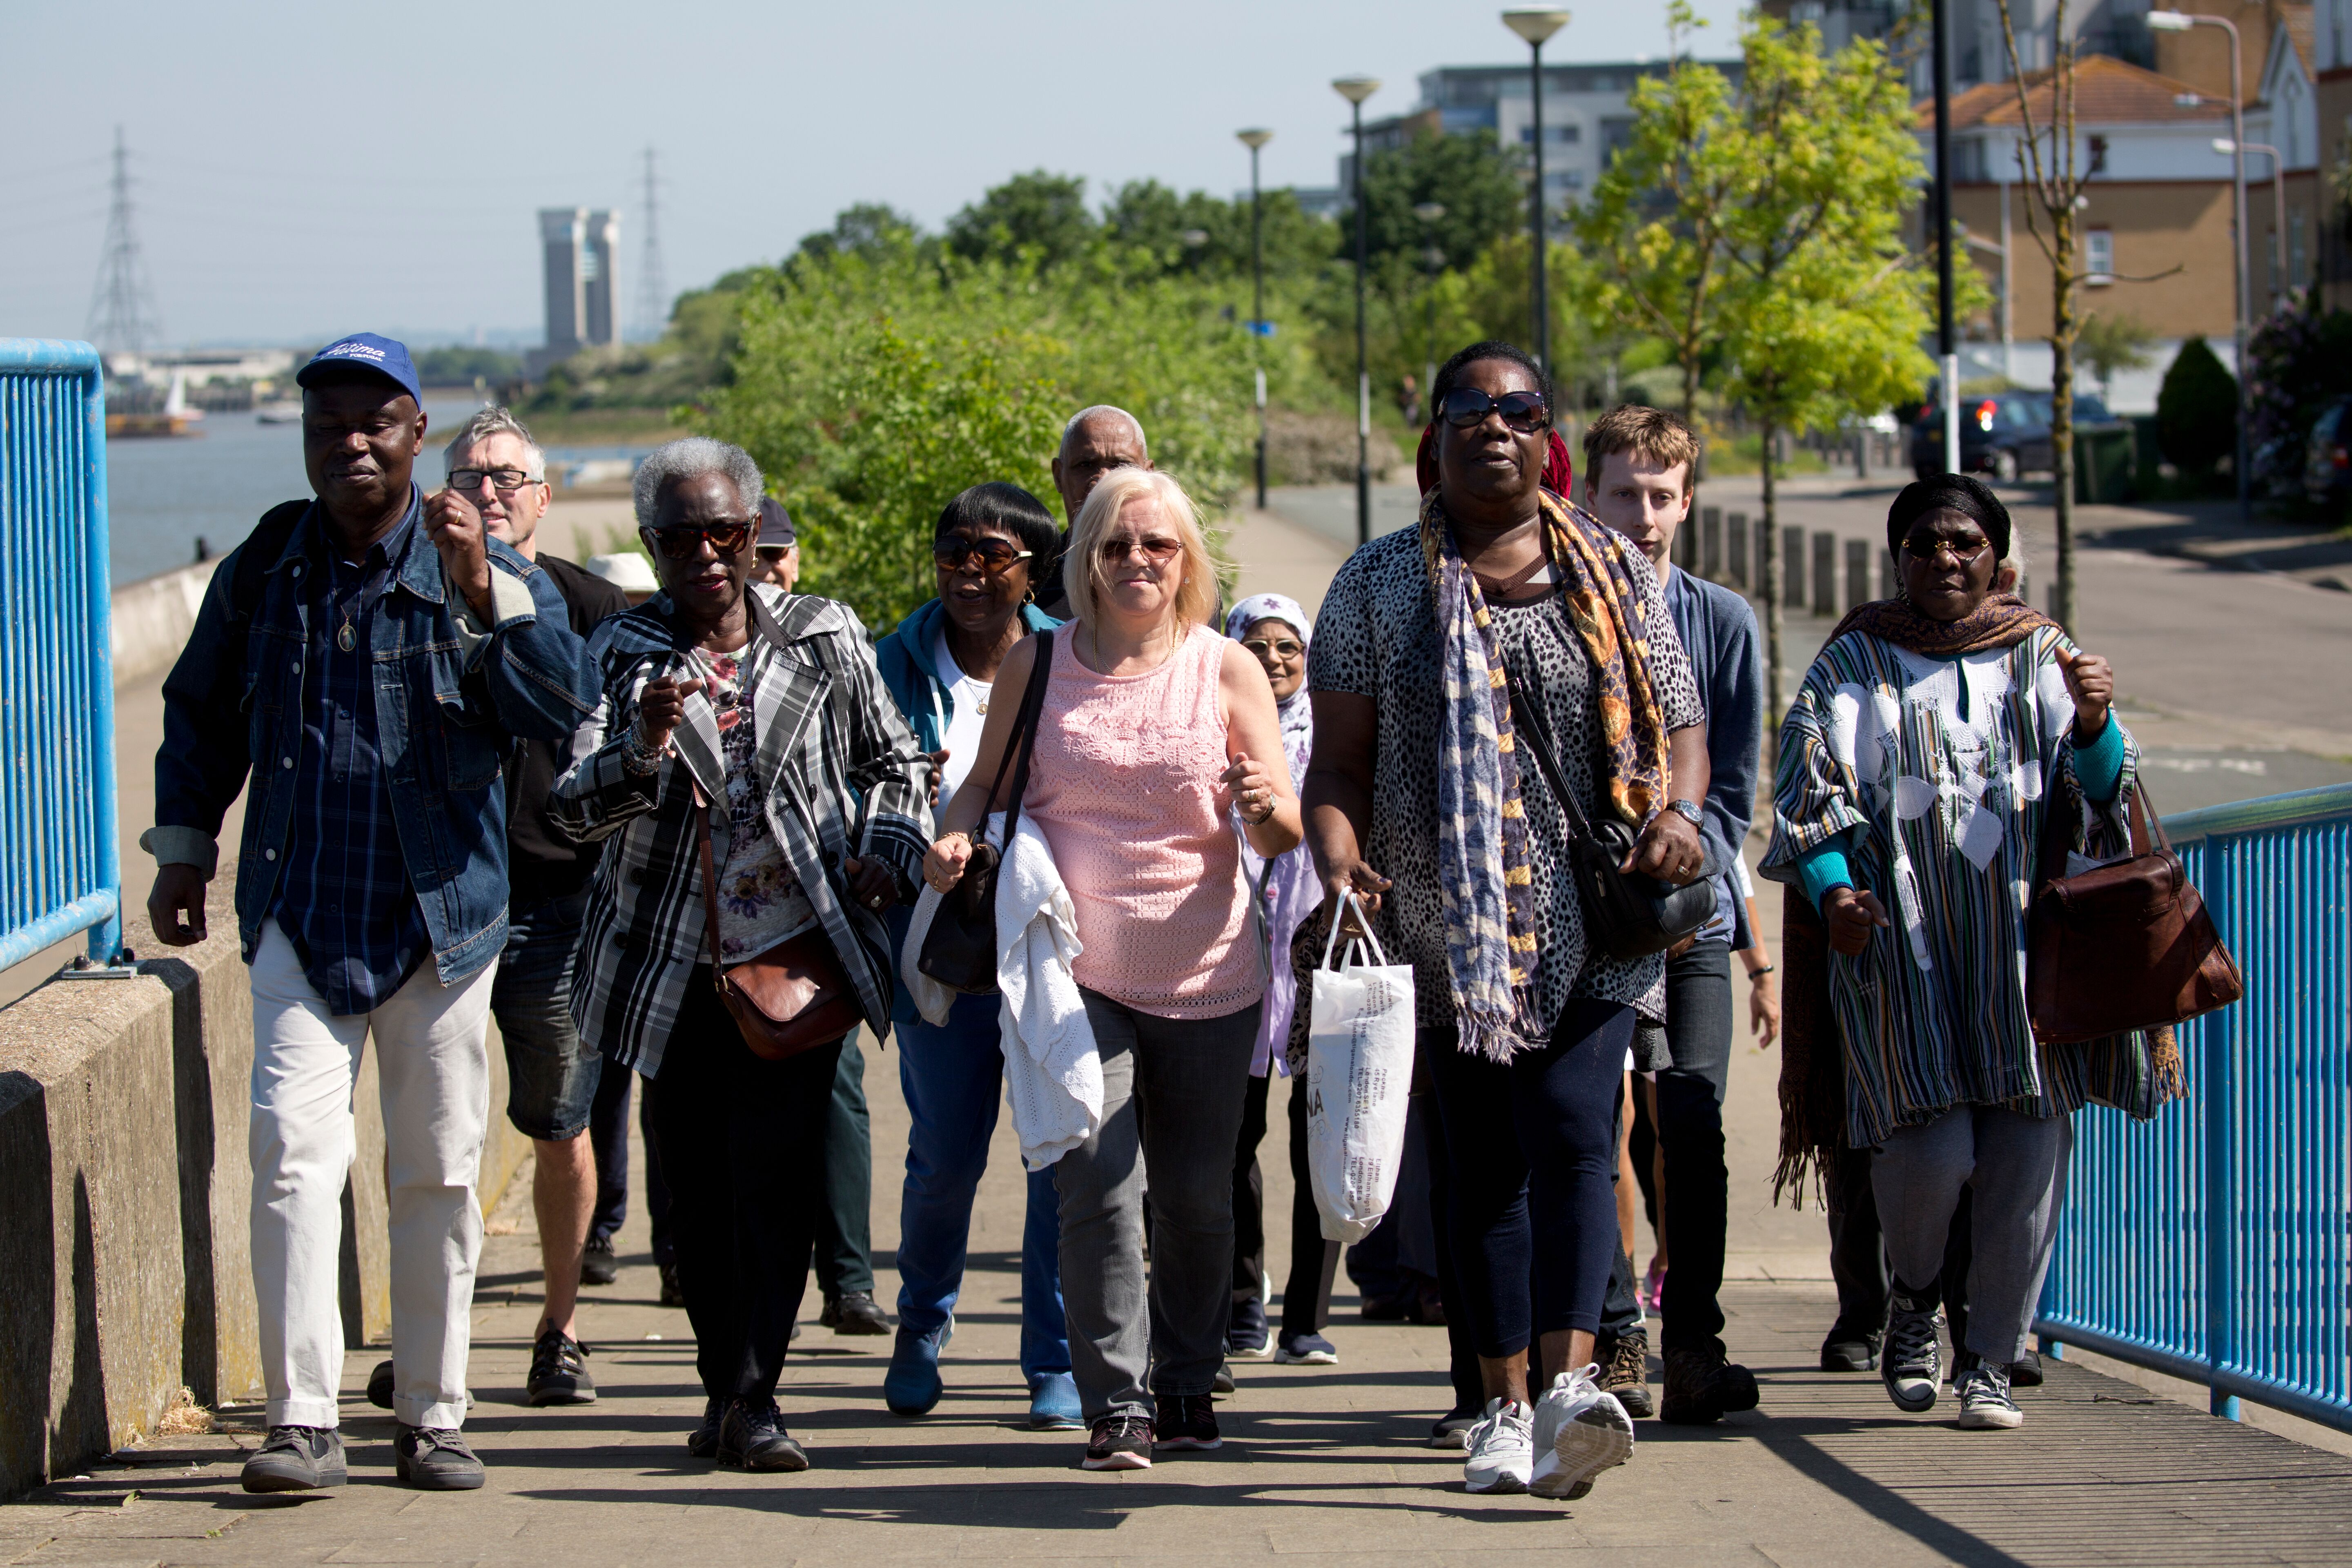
(1152, 551)
(680, 543)
(1522, 411)
(988, 558)
(1922, 547)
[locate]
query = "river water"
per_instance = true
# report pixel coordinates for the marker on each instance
(163, 495)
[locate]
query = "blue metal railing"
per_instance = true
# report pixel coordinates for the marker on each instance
(2215, 1243)
(58, 858)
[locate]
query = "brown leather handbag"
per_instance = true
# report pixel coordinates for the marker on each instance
(2123, 946)
(792, 998)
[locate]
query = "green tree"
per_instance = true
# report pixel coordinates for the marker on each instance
(1036, 212)
(868, 228)
(2197, 411)
(1822, 305)
(2113, 343)
(1481, 189)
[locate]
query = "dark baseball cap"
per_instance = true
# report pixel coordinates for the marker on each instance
(775, 525)
(387, 357)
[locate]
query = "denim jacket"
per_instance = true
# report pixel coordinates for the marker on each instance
(451, 695)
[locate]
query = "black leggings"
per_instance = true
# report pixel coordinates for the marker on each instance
(1531, 1147)
(741, 1144)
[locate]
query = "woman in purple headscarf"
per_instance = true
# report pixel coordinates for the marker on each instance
(1276, 630)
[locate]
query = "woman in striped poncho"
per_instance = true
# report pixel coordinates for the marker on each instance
(1916, 765)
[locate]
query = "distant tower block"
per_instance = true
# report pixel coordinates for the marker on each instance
(578, 247)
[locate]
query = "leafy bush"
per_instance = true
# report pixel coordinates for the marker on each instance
(2197, 410)
(2299, 361)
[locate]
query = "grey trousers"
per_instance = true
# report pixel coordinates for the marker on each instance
(2015, 1168)
(1172, 1093)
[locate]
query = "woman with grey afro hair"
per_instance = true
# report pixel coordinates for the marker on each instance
(690, 457)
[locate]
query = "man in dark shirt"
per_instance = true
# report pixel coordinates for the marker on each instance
(551, 1077)
(364, 662)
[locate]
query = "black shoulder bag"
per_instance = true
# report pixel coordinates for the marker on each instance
(960, 949)
(1627, 914)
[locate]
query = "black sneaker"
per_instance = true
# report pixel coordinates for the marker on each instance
(702, 1443)
(597, 1264)
(1625, 1371)
(436, 1459)
(380, 1385)
(1845, 1350)
(2027, 1373)
(1186, 1421)
(1702, 1386)
(1221, 1381)
(751, 1434)
(1452, 1428)
(1911, 1365)
(558, 1373)
(1119, 1443)
(1246, 1335)
(854, 1313)
(672, 1293)
(296, 1460)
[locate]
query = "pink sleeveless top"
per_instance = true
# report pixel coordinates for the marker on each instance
(1123, 782)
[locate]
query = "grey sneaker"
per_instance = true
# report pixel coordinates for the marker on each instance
(436, 1459)
(1579, 1430)
(1502, 1449)
(296, 1460)
(1912, 1363)
(1985, 1403)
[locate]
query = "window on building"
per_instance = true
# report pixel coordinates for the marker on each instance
(2098, 154)
(1616, 134)
(2099, 257)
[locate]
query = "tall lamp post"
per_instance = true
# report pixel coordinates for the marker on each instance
(2180, 22)
(1355, 89)
(1254, 139)
(1430, 214)
(1948, 360)
(1535, 23)
(2280, 282)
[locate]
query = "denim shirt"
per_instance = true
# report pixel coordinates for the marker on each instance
(450, 696)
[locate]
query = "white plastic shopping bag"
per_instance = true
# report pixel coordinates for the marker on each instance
(1359, 1074)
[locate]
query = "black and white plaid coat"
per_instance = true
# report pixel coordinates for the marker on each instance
(828, 736)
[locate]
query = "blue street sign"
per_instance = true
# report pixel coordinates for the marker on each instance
(1258, 329)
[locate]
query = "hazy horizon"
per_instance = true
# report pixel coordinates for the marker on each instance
(300, 172)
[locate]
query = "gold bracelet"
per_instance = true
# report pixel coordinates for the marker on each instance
(963, 832)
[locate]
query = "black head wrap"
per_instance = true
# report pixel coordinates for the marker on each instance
(1963, 493)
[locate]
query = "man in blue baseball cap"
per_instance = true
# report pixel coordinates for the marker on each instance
(398, 653)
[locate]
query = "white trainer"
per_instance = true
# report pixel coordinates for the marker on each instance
(1579, 1430)
(1502, 1449)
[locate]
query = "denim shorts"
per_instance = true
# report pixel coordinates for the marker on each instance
(552, 1075)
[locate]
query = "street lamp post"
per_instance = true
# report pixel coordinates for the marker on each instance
(1535, 23)
(1254, 139)
(1947, 359)
(1430, 214)
(1355, 89)
(2278, 213)
(2180, 22)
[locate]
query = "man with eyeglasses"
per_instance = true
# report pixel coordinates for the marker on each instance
(552, 1080)
(361, 668)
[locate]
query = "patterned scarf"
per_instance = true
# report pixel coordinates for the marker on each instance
(1482, 832)
(2002, 620)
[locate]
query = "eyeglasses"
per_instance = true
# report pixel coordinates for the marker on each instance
(1152, 551)
(1921, 547)
(680, 543)
(987, 558)
(1522, 411)
(506, 482)
(1284, 648)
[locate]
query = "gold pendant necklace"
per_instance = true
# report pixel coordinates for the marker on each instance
(347, 636)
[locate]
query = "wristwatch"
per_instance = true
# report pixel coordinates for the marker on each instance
(1688, 811)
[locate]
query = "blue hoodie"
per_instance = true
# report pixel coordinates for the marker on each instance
(927, 703)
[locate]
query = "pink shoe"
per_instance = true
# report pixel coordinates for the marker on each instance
(1653, 1293)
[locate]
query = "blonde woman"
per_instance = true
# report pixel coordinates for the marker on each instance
(1154, 728)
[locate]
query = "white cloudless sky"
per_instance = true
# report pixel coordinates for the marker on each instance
(303, 170)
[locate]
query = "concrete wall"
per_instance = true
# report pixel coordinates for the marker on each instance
(125, 1265)
(152, 619)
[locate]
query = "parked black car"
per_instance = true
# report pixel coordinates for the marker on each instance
(2327, 458)
(2004, 433)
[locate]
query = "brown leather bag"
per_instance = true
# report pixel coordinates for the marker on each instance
(2123, 946)
(792, 998)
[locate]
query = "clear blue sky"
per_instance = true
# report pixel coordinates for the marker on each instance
(305, 170)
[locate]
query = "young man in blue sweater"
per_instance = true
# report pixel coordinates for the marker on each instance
(1639, 471)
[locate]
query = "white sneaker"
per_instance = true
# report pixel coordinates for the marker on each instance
(1579, 1431)
(1502, 1449)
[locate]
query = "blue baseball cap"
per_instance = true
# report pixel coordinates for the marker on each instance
(387, 357)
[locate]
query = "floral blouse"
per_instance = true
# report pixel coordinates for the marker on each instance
(760, 900)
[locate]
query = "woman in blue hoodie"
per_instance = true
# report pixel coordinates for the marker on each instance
(992, 544)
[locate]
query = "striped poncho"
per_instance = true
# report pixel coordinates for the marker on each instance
(1935, 774)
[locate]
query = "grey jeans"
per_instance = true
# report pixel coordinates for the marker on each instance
(2015, 1168)
(1172, 1093)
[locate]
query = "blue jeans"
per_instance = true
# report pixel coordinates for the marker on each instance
(551, 1073)
(954, 1079)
